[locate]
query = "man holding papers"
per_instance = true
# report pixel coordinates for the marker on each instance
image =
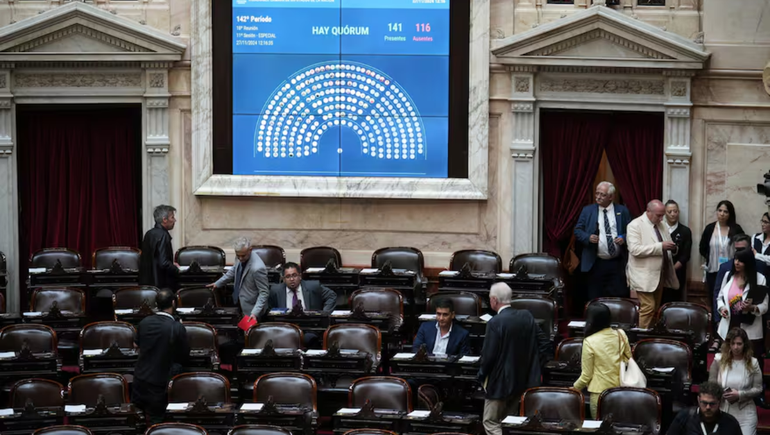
(443, 336)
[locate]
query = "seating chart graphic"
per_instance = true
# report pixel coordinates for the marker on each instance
(346, 95)
(355, 88)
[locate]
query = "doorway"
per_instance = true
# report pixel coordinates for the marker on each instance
(79, 178)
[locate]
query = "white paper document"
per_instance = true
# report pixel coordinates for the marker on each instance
(315, 352)
(251, 406)
(251, 351)
(505, 275)
(128, 311)
(513, 419)
(576, 324)
(228, 268)
(486, 317)
(314, 269)
(33, 314)
(469, 359)
(185, 310)
(419, 414)
(370, 270)
(663, 369)
(87, 352)
(427, 317)
(448, 273)
(348, 411)
(592, 424)
(7, 354)
(177, 406)
(340, 313)
(183, 268)
(7, 411)
(36, 270)
(403, 355)
(74, 408)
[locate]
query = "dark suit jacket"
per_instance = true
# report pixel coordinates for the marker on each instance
(458, 339)
(514, 349)
(163, 348)
(705, 239)
(316, 296)
(682, 236)
(586, 227)
(156, 264)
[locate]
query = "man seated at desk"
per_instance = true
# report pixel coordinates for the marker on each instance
(310, 294)
(443, 336)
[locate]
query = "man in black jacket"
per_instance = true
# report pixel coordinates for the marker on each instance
(163, 347)
(156, 265)
(706, 418)
(514, 349)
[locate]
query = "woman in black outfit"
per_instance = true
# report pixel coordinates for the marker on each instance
(716, 246)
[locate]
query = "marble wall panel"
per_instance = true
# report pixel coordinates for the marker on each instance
(746, 165)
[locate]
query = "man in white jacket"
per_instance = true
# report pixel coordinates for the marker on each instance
(650, 263)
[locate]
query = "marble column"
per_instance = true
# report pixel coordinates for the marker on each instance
(524, 169)
(9, 210)
(155, 170)
(678, 123)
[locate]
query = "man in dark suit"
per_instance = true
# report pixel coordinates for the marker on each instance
(163, 347)
(156, 264)
(310, 294)
(682, 236)
(443, 337)
(601, 231)
(251, 289)
(514, 350)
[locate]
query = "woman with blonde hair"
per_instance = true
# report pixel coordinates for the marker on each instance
(737, 371)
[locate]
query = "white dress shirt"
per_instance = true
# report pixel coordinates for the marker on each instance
(163, 313)
(672, 228)
(604, 252)
(290, 298)
(442, 341)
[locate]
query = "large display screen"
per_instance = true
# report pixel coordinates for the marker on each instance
(354, 88)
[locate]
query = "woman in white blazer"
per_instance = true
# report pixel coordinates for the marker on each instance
(744, 285)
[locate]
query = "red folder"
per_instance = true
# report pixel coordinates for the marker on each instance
(246, 323)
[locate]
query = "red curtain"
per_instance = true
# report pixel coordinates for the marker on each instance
(572, 145)
(635, 152)
(79, 178)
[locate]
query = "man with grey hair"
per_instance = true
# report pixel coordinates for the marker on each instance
(156, 264)
(514, 350)
(251, 289)
(650, 265)
(601, 232)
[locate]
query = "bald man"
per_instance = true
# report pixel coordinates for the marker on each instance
(650, 262)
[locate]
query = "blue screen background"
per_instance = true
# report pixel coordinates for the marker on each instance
(371, 99)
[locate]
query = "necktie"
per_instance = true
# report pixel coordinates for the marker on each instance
(294, 298)
(608, 232)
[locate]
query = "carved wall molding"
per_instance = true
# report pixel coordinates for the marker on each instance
(599, 70)
(5, 103)
(521, 84)
(523, 68)
(678, 112)
(522, 107)
(3, 80)
(598, 34)
(523, 156)
(157, 103)
(678, 162)
(157, 80)
(75, 65)
(78, 29)
(67, 80)
(157, 150)
(678, 89)
(603, 86)
(157, 65)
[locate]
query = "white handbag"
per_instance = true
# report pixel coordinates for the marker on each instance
(630, 373)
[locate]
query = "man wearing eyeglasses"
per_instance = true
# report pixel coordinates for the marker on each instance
(706, 418)
(310, 294)
(601, 231)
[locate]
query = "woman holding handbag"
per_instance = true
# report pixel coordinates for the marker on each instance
(738, 373)
(603, 351)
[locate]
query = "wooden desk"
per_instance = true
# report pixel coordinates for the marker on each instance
(455, 377)
(294, 418)
(113, 278)
(123, 419)
(250, 366)
(59, 277)
(23, 366)
(309, 321)
(217, 419)
(9, 319)
(537, 426)
(561, 373)
(328, 370)
(433, 422)
(468, 281)
(133, 315)
(113, 360)
(385, 419)
(223, 319)
(343, 281)
(405, 281)
(24, 422)
(202, 360)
